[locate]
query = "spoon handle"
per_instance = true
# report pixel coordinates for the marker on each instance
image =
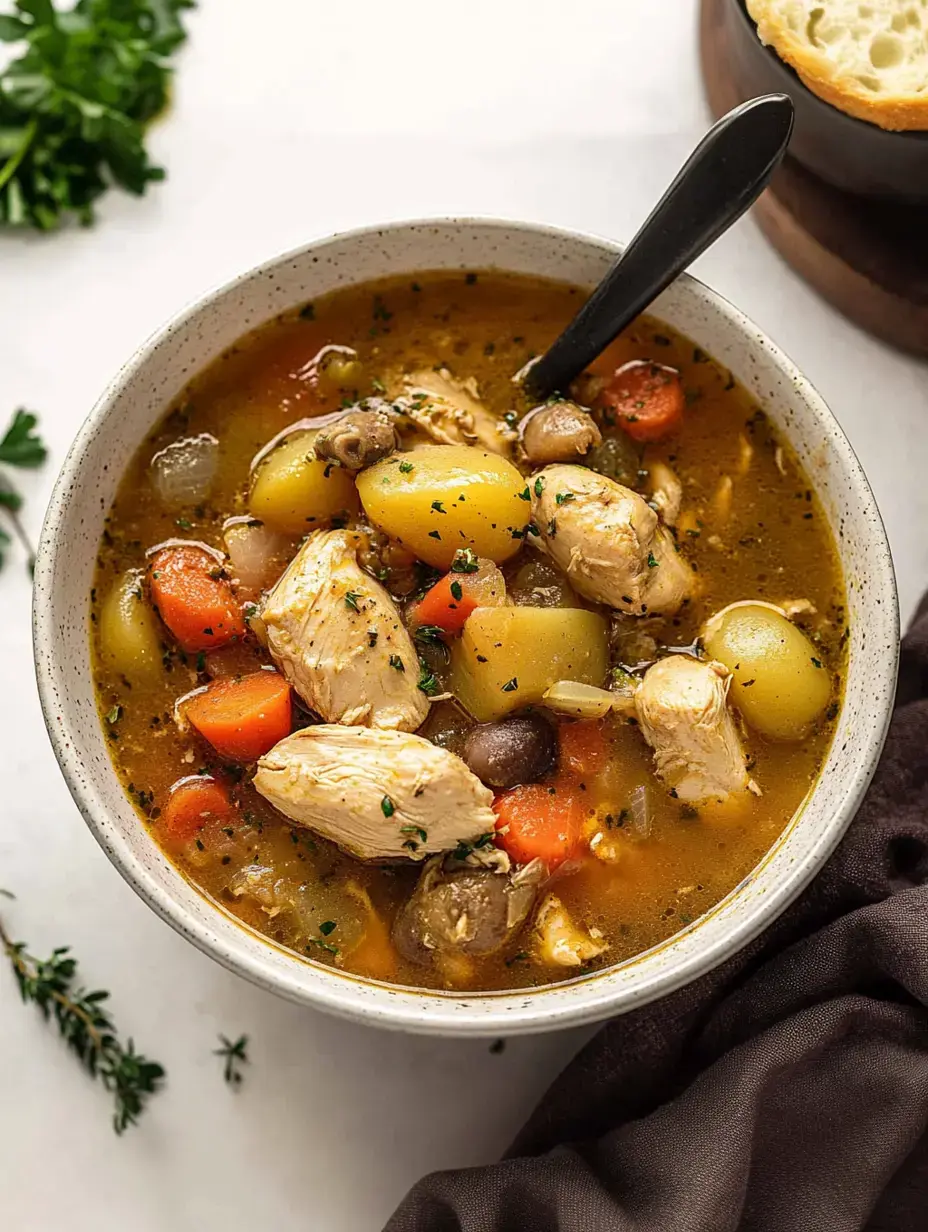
(723, 176)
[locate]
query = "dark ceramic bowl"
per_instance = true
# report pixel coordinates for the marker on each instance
(848, 153)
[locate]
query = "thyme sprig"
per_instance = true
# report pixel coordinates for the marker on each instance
(86, 1027)
(235, 1055)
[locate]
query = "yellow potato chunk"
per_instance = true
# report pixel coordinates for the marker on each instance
(130, 638)
(779, 682)
(508, 656)
(294, 492)
(438, 498)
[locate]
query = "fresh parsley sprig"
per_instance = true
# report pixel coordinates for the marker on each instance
(74, 107)
(86, 1027)
(21, 446)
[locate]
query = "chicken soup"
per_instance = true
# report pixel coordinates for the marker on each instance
(444, 688)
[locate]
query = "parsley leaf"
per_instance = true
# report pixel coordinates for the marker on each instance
(21, 444)
(75, 106)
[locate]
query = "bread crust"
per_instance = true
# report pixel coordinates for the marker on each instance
(894, 112)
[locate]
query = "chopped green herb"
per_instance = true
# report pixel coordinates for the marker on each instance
(183, 523)
(653, 562)
(563, 497)
(387, 807)
(423, 834)
(114, 715)
(816, 662)
(351, 600)
(430, 635)
(511, 685)
(405, 468)
(457, 592)
(433, 534)
(539, 485)
(526, 495)
(397, 663)
(465, 561)
(327, 927)
(439, 506)
(427, 681)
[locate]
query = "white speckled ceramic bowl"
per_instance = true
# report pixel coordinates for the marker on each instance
(141, 393)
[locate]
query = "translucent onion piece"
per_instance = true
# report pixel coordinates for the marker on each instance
(585, 701)
(183, 472)
(256, 554)
(640, 809)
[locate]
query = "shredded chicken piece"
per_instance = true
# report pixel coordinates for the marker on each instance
(666, 492)
(377, 794)
(338, 638)
(562, 943)
(608, 541)
(745, 454)
(684, 716)
(451, 413)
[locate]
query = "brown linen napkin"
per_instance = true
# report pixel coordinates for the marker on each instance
(786, 1091)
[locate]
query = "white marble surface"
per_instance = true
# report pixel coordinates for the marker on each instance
(309, 118)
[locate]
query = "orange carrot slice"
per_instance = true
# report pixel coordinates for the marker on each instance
(243, 718)
(194, 601)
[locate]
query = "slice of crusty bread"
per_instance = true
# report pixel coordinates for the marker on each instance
(868, 59)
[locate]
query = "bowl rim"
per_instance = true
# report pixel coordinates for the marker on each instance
(521, 1011)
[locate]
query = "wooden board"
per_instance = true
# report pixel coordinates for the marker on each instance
(868, 258)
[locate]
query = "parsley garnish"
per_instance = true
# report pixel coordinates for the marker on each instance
(539, 485)
(563, 497)
(653, 562)
(20, 446)
(405, 468)
(456, 591)
(511, 685)
(423, 834)
(439, 507)
(387, 807)
(351, 600)
(327, 927)
(465, 561)
(397, 663)
(427, 682)
(75, 105)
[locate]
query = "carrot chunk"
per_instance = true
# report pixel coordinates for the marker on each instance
(195, 603)
(539, 821)
(646, 400)
(193, 804)
(243, 718)
(447, 605)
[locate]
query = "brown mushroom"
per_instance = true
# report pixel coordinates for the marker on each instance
(362, 436)
(456, 908)
(558, 432)
(515, 750)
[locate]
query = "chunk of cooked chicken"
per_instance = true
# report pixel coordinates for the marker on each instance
(451, 413)
(608, 541)
(684, 716)
(666, 492)
(380, 795)
(462, 909)
(562, 943)
(338, 638)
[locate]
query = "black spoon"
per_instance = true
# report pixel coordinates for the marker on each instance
(724, 175)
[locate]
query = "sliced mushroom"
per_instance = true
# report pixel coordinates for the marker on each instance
(608, 541)
(380, 795)
(338, 638)
(559, 431)
(361, 437)
(458, 909)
